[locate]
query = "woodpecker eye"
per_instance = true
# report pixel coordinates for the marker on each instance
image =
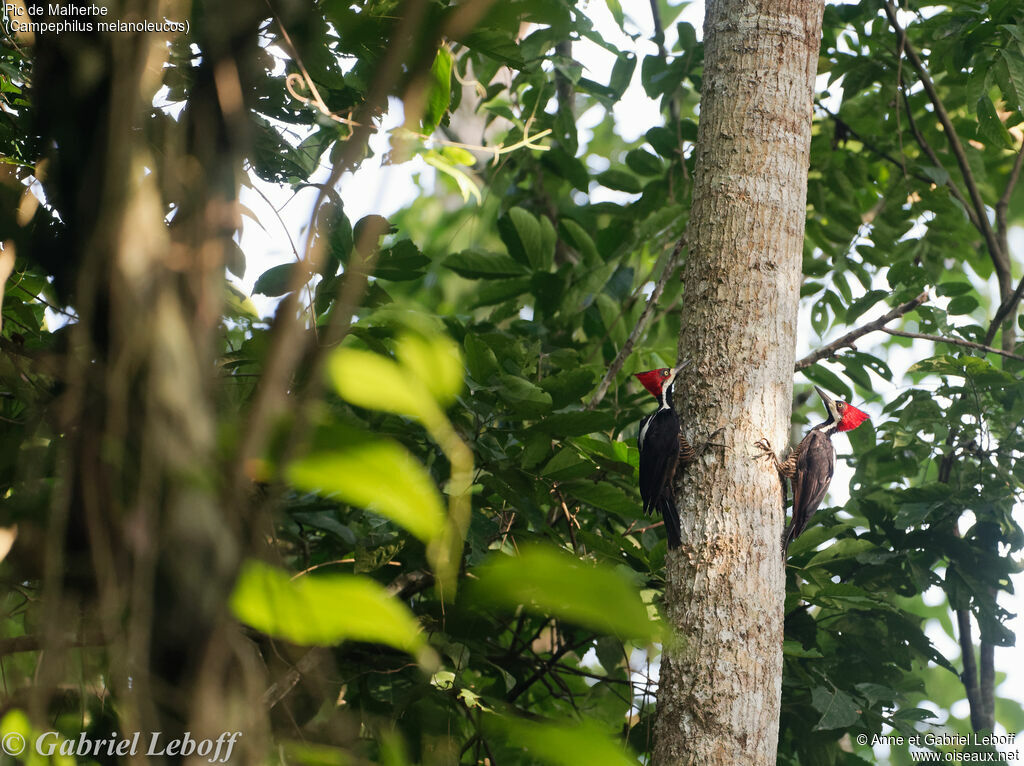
(840, 406)
(664, 373)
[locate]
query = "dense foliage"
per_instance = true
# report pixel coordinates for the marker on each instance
(455, 521)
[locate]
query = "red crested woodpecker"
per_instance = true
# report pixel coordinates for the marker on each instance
(662, 448)
(811, 464)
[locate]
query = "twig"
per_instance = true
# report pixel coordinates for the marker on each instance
(1011, 302)
(999, 259)
(969, 677)
(1011, 183)
(953, 342)
(1004, 309)
(847, 340)
(627, 347)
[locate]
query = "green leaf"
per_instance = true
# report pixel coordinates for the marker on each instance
(440, 91)
(837, 709)
(477, 264)
(235, 259)
(643, 163)
(521, 233)
(436, 361)
(306, 611)
(480, 359)
(962, 304)
(605, 496)
(619, 180)
(523, 396)
(275, 281)
(547, 581)
(401, 262)
(615, 8)
(564, 744)
(377, 474)
(990, 127)
(828, 380)
(375, 382)
(847, 548)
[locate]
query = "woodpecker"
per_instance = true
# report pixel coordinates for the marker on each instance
(662, 448)
(811, 464)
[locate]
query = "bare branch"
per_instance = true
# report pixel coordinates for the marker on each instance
(1011, 184)
(953, 342)
(645, 317)
(847, 340)
(969, 677)
(1004, 310)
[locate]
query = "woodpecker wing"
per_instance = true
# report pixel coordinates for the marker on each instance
(814, 470)
(659, 455)
(669, 512)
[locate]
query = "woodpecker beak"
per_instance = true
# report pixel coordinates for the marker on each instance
(829, 402)
(680, 367)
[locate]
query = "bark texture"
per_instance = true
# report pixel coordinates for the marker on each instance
(721, 679)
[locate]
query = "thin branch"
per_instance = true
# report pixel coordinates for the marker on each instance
(641, 325)
(953, 342)
(999, 259)
(969, 677)
(1004, 200)
(1003, 311)
(847, 340)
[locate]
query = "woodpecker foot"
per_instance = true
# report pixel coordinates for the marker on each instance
(710, 443)
(767, 453)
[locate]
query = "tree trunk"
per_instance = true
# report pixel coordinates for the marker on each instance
(721, 678)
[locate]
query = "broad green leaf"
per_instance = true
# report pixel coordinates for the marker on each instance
(828, 380)
(377, 383)
(436, 361)
(643, 163)
(522, 235)
(440, 91)
(547, 581)
(275, 281)
(324, 610)
(990, 127)
(847, 548)
(564, 744)
(615, 8)
(962, 304)
(401, 262)
(836, 707)
(477, 264)
(523, 396)
(605, 496)
(379, 475)
(619, 180)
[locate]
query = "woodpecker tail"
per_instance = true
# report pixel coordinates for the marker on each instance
(788, 536)
(670, 514)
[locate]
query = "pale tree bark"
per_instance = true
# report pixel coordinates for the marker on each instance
(721, 680)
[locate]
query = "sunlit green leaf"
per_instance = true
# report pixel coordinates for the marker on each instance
(323, 610)
(436, 361)
(440, 90)
(565, 744)
(550, 582)
(377, 474)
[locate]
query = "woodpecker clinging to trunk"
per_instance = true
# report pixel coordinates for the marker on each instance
(662, 447)
(811, 464)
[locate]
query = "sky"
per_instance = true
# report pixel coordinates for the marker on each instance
(383, 190)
